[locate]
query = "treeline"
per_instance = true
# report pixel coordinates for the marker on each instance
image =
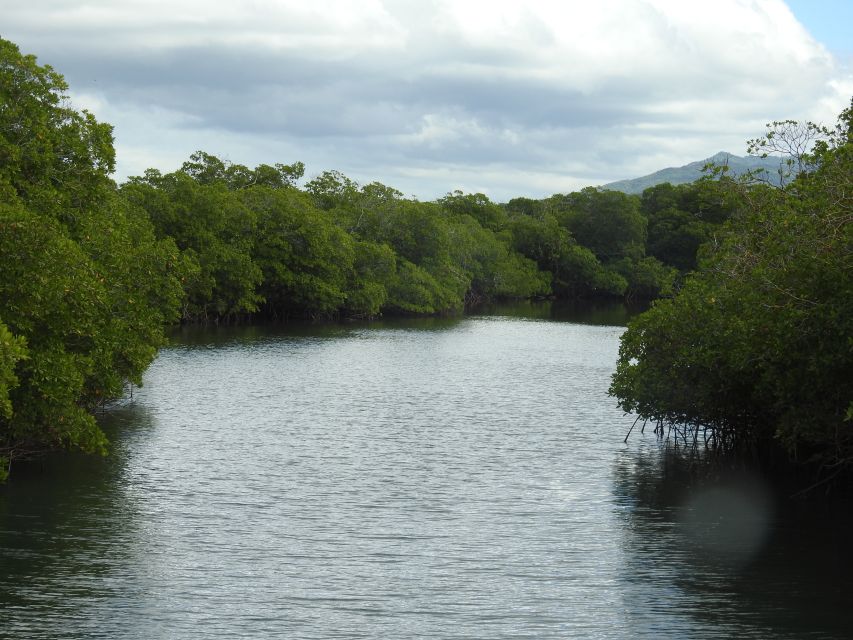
(756, 350)
(253, 243)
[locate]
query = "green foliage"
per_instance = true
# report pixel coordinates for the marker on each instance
(12, 349)
(607, 243)
(52, 157)
(490, 266)
(402, 247)
(207, 169)
(647, 278)
(51, 295)
(675, 237)
(332, 189)
(216, 232)
(85, 288)
(682, 218)
(306, 260)
(314, 248)
(92, 315)
(757, 344)
(143, 290)
(374, 271)
(526, 207)
(476, 205)
(607, 222)
(575, 270)
(415, 290)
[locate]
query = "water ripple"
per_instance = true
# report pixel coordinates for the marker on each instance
(393, 483)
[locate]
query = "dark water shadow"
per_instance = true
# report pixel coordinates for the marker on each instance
(67, 527)
(591, 312)
(726, 546)
(211, 337)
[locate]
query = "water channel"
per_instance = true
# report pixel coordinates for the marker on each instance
(443, 478)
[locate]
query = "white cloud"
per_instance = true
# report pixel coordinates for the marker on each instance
(326, 27)
(534, 95)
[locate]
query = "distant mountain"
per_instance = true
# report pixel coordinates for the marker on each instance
(690, 172)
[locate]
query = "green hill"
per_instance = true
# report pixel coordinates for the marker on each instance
(737, 165)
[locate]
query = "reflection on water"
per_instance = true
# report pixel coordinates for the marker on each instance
(594, 312)
(66, 532)
(214, 336)
(451, 478)
(720, 551)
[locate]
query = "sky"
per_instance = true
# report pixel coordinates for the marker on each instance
(503, 97)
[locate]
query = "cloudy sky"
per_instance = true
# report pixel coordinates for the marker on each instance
(505, 97)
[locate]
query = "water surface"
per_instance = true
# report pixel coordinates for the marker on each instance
(450, 478)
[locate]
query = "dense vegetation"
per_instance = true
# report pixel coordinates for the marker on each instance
(91, 272)
(85, 286)
(757, 347)
(257, 244)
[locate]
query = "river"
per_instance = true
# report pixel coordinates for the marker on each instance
(443, 478)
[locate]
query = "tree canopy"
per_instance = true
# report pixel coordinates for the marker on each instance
(85, 287)
(757, 346)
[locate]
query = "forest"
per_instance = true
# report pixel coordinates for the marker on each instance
(750, 338)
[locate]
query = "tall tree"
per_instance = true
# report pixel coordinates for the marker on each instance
(756, 347)
(85, 287)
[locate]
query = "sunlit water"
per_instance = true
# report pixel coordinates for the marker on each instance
(446, 479)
